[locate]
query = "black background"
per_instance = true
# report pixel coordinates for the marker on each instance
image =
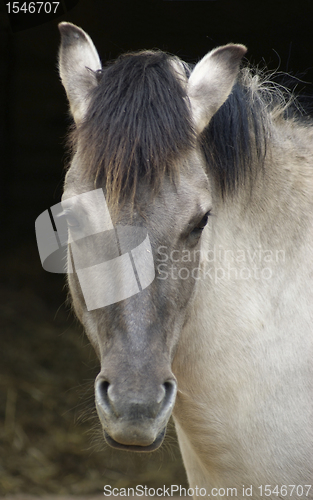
(33, 107)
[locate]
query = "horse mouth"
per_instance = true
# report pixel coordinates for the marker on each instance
(130, 447)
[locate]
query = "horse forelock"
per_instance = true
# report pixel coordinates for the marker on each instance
(138, 124)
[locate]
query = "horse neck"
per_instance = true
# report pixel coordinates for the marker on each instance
(258, 245)
(244, 335)
(277, 212)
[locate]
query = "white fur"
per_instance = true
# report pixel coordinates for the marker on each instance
(244, 407)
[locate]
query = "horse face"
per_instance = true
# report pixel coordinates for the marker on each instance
(135, 338)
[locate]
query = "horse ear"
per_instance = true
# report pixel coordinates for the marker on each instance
(211, 82)
(78, 62)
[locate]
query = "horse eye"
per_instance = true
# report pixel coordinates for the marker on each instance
(201, 225)
(71, 220)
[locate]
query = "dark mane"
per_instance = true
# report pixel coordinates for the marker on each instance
(235, 142)
(138, 123)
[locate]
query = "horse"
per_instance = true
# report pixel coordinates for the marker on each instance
(214, 162)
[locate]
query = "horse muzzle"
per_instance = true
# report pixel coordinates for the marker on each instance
(134, 420)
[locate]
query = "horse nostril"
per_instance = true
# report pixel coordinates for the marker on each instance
(106, 398)
(103, 388)
(170, 393)
(112, 402)
(102, 397)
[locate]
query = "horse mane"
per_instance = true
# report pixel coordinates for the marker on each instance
(236, 141)
(138, 125)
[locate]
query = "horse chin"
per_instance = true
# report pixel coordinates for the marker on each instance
(135, 447)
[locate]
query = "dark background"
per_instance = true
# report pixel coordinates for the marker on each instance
(46, 365)
(33, 105)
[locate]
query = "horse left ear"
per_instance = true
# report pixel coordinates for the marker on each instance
(211, 82)
(78, 63)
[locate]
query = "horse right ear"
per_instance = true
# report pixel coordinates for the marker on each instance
(211, 82)
(78, 62)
